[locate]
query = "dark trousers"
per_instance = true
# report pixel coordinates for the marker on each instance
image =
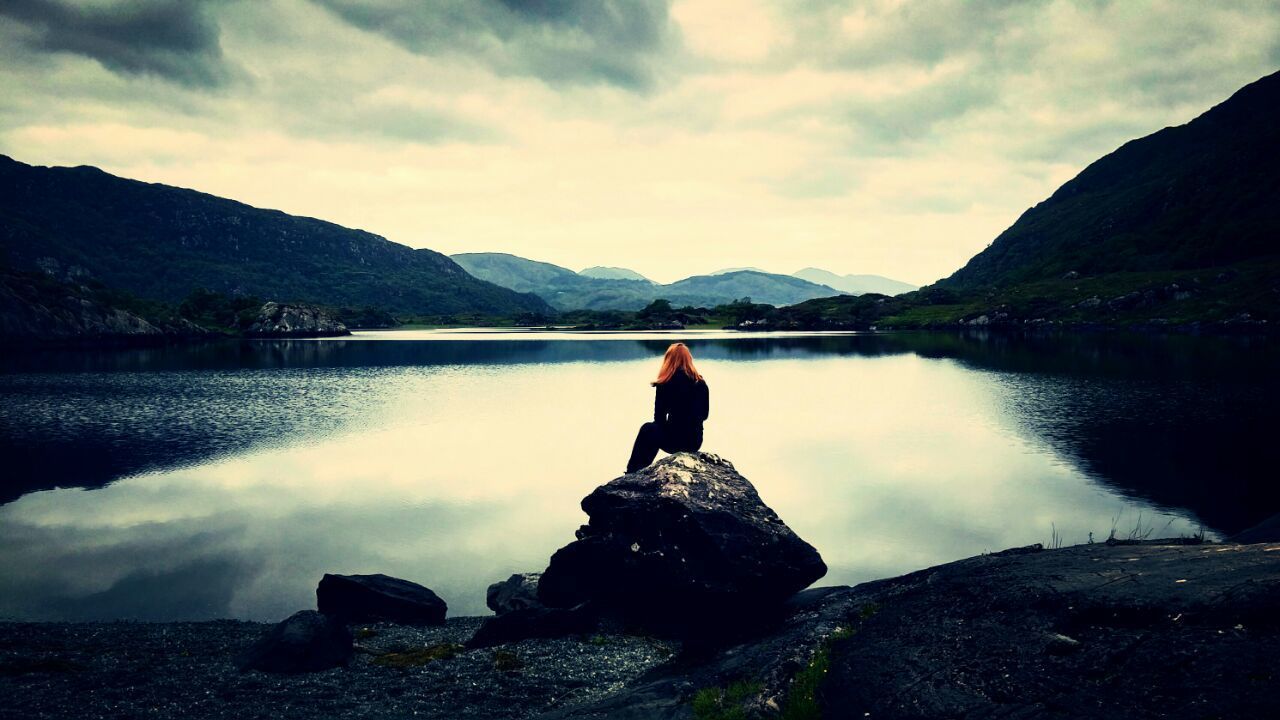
(654, 436)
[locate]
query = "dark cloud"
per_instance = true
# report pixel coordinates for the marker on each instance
(173, 39)
(883, 125)
(615, 42)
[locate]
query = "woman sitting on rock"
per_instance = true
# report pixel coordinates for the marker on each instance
(680, 405)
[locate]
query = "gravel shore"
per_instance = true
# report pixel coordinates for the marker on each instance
(188, 671)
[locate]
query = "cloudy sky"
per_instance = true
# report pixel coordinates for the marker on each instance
(675, 138)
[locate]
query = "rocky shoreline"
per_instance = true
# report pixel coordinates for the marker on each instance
(1148, 631)
(678, 601)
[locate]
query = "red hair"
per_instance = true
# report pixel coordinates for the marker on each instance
(678, 357)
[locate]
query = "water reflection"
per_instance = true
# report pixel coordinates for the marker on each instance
(252, 468)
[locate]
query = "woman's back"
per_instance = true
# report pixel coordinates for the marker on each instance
(681, 401)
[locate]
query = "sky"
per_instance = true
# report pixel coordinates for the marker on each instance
(672, 137)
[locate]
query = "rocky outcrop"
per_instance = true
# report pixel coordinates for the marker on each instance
(681, 547)
(1092, 631)
(294, 320)
(306, 641)
(518, 592)
(375, 598)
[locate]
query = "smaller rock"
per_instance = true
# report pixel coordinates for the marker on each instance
(306, 641)
(1059, 644)
(517, 592)
(280, 320)
(374, 598)
(534, 622)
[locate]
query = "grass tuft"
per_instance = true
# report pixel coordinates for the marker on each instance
(417, 657)
(715, 703)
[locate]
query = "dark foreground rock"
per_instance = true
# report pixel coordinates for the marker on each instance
(294, 320)
(518, 592)
(306, 641)
(682, 547)
(1267, 531)
(1092, 631)
(374, 598)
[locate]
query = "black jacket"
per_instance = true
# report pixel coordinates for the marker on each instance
(681, 404)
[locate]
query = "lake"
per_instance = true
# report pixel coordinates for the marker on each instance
(222, 480)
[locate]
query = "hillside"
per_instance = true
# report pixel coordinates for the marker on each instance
(162, 242)
(762, 287)
(612, 273)
(1205, 194)
(567, 290)
(514, 272)
(855, 284)
(1179, 229)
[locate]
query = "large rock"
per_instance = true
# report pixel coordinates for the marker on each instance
(680, 547)
(518, 592)
(374, 598)
(306, 641)
(280, 320)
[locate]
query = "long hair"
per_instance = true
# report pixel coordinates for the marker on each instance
(678, 357)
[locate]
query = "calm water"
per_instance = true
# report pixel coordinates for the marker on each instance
(223, 480)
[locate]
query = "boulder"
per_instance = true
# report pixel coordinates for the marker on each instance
(374, 598)
(679, 547)
(534, 622)
(306, 641)
(517, 592)
(281, 320)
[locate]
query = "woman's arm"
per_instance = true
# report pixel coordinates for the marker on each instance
(704, 400)
(659, 405)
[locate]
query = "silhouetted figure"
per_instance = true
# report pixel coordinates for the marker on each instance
(679, 407)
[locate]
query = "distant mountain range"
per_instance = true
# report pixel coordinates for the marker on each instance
(856, 284)
(848, 284)
(612, 273)
(1177, 228)
(567, 290)
(162, 242)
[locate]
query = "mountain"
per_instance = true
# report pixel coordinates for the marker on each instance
(516, 273)
(855, 284)
(612, 273)
(36, 309)
(1205, 194)
(162, 242)
(726, 271)
(567, 290)
(1179, 229)
(761, 287)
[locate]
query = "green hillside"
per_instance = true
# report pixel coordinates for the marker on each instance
(162, 242)
(1179, 229)
(1205, 194)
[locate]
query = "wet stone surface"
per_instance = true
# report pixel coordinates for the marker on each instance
(187, 670)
